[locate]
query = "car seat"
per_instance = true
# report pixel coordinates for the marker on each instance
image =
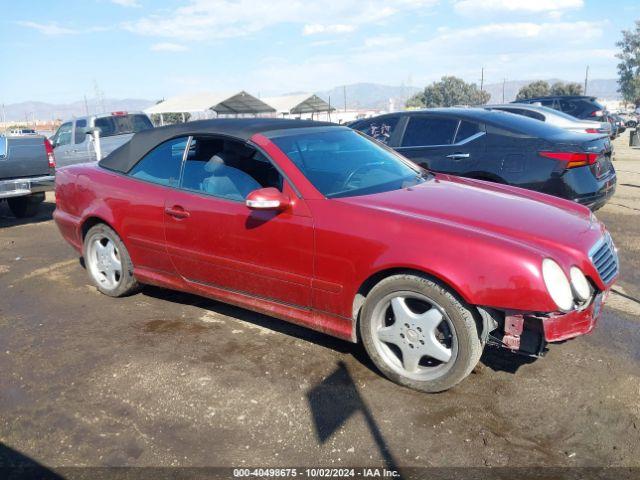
(226, 181)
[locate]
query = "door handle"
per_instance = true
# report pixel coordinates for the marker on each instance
(458, 156)
(177, 212)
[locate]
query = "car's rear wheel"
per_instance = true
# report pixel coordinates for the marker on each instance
(419, 334)
(108, 262)
(25, 207)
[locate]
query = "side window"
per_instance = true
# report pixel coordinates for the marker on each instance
(381, 129)
(106, 125)
(79, 135)
(162, 164)
(569, 107)
(466, 130)
(423, 131)
(227, 168)
(532, 114)
(63, 135)
(550, 103)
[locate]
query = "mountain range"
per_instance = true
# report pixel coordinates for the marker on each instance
(366, 96)
(27, 111)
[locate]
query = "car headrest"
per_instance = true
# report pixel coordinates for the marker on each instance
(213, 164)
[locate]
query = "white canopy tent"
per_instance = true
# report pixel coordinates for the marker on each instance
(298, 104)
(240, 103)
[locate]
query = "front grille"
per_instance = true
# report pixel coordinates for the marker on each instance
(604, 257)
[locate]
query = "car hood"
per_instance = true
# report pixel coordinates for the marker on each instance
(540, 221)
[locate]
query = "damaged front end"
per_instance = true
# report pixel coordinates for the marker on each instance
(528, 333)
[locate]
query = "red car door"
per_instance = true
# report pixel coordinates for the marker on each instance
(214, 239)
(137, 201)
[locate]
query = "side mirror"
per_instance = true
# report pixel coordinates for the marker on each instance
(267, 199)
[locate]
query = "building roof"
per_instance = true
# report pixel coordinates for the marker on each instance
(220, 102)
(125, 157)
(299, 103)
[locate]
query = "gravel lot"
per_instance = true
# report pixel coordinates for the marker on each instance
(168, 379)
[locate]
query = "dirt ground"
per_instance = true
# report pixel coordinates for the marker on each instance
(168, 379)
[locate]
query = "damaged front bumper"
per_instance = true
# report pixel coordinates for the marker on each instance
(528, 334)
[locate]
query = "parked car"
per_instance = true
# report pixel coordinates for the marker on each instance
(631, 120)
(72, 144)
(555, 118)
(316, 224)
(620, 123)
(615, 127)
(501, 147)
(579, 106)
(27, 169)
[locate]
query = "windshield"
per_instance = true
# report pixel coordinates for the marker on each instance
(121, 124)
(344, 163)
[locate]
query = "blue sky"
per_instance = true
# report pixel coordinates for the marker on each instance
(56, 51)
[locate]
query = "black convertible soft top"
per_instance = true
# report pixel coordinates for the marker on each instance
(125, 157)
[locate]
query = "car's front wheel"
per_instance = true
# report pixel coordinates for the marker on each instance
(108, 262)
(419, 334)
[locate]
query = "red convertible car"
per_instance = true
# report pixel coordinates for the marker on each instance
(319, 225)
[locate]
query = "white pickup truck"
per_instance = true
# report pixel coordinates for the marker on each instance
(72, 144)
(27, 169)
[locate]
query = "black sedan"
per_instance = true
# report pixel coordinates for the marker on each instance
(501, 147)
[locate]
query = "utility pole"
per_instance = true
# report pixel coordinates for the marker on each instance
(504, 80)
(86, 106)
(586, 80)
(482, 79)
(99, 95)
(344, 93)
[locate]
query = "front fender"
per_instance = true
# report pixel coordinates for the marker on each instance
(485, 274)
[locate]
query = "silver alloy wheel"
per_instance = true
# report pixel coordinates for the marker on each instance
(414, 335)
(104, 261)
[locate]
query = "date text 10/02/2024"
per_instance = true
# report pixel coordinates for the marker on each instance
(315, 472)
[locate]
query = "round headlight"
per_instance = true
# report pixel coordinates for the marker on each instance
(557, 284)
(580, 284)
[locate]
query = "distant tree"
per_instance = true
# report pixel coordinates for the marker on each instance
(449, 91)
(570, 88)
(539, 88)
(629, 67)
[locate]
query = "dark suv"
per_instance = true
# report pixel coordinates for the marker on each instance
(579, 106)
(501, 147)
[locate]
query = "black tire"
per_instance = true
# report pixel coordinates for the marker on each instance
(25, 207)
(460, 316)
(126, 284)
